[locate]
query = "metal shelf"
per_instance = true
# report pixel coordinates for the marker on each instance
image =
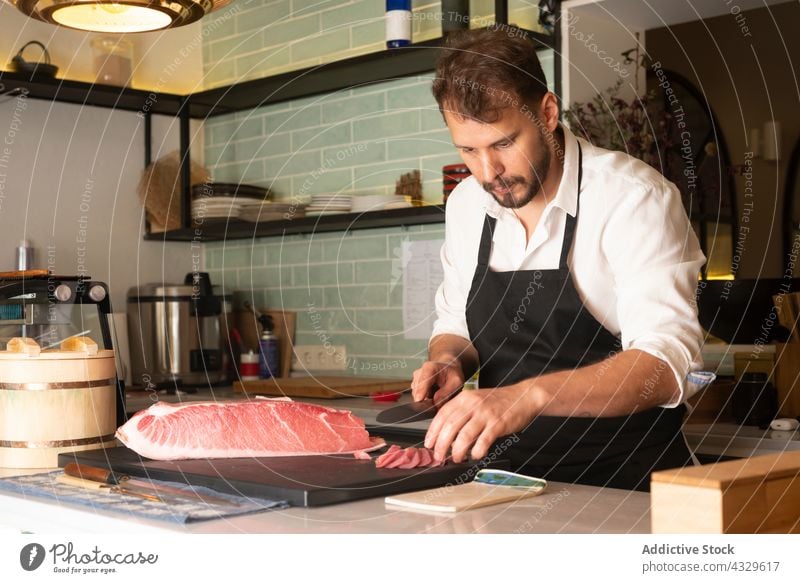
(352, 72)
(226, 230)
(93, 94)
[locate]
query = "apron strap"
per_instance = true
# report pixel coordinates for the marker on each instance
(485, 249)
(569, 229)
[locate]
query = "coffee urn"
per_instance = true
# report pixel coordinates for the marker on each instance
(179, 333)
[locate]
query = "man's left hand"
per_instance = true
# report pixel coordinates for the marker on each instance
(474, 419)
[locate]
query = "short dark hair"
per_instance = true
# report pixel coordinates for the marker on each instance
(481, 72)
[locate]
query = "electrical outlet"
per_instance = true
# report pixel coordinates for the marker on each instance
(319, 357)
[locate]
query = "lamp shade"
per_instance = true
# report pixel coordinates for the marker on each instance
(125, 16)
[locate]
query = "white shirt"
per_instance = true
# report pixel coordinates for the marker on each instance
(635, 259)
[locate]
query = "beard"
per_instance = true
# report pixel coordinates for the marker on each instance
(528, 188)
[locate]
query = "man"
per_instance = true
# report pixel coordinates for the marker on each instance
(569, 278)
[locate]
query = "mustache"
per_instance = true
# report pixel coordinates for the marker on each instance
(503, 183)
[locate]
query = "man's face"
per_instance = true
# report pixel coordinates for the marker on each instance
(509, 157)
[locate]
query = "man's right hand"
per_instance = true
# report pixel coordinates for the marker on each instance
(439, 379)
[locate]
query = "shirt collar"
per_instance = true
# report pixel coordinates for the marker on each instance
(566, 197)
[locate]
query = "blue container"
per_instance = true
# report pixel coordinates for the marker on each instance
(269, 353)
(398, 23)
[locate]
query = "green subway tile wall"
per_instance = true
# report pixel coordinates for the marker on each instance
(256, 38)
(346, 287)
(356, 141)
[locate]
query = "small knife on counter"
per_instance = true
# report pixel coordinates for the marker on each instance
(141, 488)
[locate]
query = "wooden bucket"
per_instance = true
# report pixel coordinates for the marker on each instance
(55, 401)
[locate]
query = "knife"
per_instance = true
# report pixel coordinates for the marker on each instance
(408, 412)
(141, 488)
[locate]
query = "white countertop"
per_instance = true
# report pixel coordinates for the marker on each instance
(563, 508)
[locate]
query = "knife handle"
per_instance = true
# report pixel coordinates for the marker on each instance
(90, 473)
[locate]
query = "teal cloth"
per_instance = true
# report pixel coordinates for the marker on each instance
(45, 486)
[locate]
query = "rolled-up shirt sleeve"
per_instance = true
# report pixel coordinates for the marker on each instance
(656, 259)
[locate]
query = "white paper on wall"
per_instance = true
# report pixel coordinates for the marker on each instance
(422, 275)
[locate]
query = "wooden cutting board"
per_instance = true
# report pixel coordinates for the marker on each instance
(27, 274)
(321, 387)
(461, 497)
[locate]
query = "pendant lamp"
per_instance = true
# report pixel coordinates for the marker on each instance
(118, 17)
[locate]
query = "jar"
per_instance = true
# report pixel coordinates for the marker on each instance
(113, 60)
(754, 400)
(398, 23)
(249, 366)
(452, 176)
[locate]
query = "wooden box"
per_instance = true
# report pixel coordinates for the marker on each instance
(753, 495)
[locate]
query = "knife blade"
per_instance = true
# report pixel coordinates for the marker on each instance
(142, 488)
(408, 412)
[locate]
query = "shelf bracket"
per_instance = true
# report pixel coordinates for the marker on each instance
(501, 11)
(186, 165)
(148, 155)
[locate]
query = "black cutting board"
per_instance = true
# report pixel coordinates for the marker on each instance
(300, 480)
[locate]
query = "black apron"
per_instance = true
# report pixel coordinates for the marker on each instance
(531, 322)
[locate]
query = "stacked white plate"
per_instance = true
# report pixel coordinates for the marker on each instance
(258, 211)
(215, 207)
(329, 204)
(397, 204)
(373, 202)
